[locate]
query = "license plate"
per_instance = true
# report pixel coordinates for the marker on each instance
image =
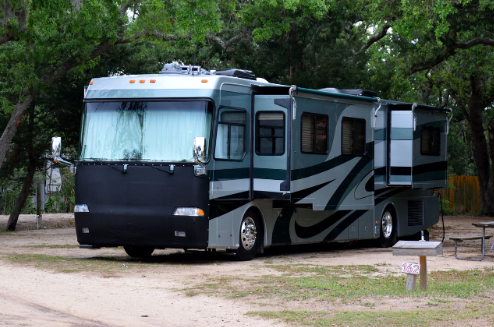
(410, 268)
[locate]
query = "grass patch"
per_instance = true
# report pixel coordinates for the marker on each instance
(107, 266)
(47, 224)
(429, 317)
(347, 283)
(53, 246)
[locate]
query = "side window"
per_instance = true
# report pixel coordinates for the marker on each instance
(230, 136)
(430, 141)
(314, 133)
(353, 136)
(270, 136)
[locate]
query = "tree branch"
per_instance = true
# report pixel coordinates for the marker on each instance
(6, 37)
(124, 7)
(474, 42)
(376, 37)
(451, 51)
(224, 44)
(19, 12)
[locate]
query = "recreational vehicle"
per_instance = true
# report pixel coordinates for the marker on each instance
(222, 160)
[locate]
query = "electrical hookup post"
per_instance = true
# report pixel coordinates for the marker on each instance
(40, 202)
(422, 249)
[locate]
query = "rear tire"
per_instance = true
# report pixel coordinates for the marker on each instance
(139, 251)
(249, 236)
(387, 237)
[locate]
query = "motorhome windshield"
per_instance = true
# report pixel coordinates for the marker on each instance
(143, 130)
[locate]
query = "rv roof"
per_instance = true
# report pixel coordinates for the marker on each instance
(161, 85)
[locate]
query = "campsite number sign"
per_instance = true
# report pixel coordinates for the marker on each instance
(410, 268)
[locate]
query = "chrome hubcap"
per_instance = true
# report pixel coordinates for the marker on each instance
(248, 233)
(387, 224)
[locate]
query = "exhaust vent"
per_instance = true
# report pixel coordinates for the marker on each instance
(415, 212)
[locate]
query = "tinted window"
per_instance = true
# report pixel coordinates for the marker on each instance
(230, 136)
(270, 136)
(430, 141)
(314, 133)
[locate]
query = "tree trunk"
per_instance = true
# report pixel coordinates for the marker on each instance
(481, 146)
(26, 190)
(293, 41)
(15, 120)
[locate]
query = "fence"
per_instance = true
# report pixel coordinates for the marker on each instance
(465, 197)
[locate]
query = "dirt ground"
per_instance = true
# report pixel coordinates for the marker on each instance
(154, 295)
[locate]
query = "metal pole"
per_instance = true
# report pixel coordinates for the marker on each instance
(39, 218)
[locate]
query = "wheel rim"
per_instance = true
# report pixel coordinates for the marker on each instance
(248, 233)
(387, 224)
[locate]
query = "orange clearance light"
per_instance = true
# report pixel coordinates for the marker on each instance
(200, 212)
(132, 81)
(204, 80)
(152, 80)
(91, 83)
(142, 81)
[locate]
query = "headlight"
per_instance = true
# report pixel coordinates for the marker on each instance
(81, 208)
(184, 211)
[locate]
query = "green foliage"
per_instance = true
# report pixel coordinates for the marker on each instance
(58, 202)
(60, 35)
(275, 17)
(10, 188)
(446, 208)
(62, 200)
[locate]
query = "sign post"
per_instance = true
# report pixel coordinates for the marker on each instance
(40, 202)
(422, 249)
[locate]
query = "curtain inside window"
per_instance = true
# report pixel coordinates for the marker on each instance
(155, 131)
(307, 133)
(321, 134)
(347, 136)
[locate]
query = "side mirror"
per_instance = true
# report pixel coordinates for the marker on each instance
(199, 149)
(56, 151)
(56, 146)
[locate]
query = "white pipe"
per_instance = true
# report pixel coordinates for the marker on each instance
(449, 120)
(375, 114)
(290, 92)
(414, 105)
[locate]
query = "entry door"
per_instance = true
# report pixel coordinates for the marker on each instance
(270, 178)
(230, 176)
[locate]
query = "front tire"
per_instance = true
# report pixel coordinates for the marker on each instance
(139, 251)
(249, 236)
(387, 237)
